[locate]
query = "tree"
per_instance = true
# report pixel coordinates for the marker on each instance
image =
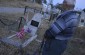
(84, 9)
(44, 1)
(38, 1)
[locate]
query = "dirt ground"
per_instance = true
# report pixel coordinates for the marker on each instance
(76, 45)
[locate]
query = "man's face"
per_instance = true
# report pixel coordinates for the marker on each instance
(68, 6)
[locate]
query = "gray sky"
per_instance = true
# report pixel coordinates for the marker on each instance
(80, 4)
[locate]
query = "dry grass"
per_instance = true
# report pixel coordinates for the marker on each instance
(10, 3)
(11, 50)
(75, 47)
(4, 30)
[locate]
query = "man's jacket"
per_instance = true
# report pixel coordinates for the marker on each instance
(64, 26)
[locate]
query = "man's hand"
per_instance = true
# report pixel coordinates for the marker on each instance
(48, 35)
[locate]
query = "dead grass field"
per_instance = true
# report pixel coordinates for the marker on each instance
(75, 46)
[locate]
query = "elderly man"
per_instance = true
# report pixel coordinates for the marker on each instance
(59, 33)
(57, 36)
